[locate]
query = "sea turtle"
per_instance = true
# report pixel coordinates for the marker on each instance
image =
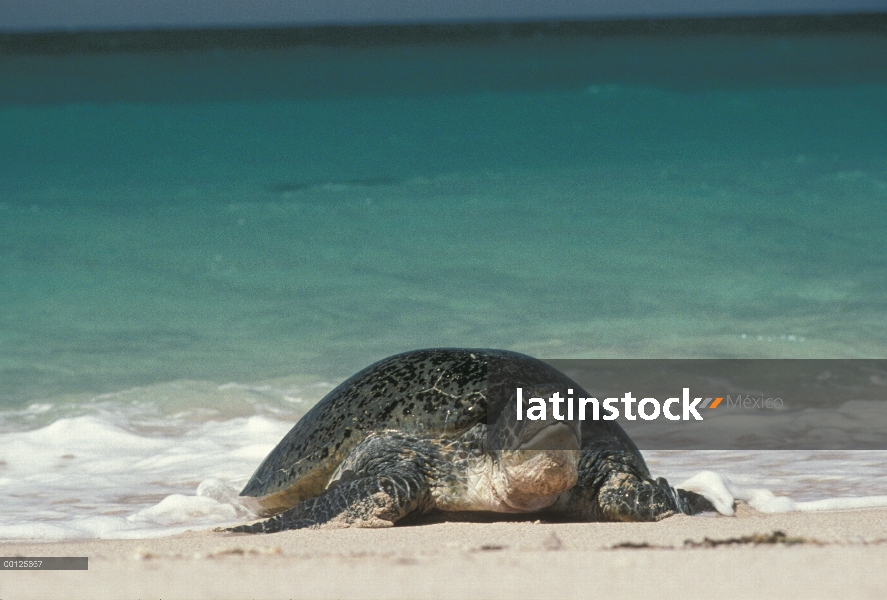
(436, 430)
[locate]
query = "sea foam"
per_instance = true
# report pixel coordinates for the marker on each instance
(88, 477)
(723, 493)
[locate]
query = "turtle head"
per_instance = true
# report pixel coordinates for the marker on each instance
(537, 459)
(543, 467)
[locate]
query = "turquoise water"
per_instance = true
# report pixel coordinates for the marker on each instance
(626, 215)
(198, 235)
(657, 208)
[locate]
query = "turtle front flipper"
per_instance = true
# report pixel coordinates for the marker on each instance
(627, 497)
(614, 486)
(375, 501)
(382, 480)
(691, 503)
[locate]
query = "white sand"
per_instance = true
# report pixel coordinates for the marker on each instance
(844, 554)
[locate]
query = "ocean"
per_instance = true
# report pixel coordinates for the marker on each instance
(202, 233)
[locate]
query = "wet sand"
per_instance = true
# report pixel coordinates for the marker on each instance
(810, 555)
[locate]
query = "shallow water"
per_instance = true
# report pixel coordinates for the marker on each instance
(196, 245)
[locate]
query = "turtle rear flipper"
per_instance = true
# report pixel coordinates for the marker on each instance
(374, 501)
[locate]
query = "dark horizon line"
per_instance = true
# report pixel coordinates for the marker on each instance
(211, 38)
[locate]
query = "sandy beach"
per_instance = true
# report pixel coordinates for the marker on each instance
(821, 555)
